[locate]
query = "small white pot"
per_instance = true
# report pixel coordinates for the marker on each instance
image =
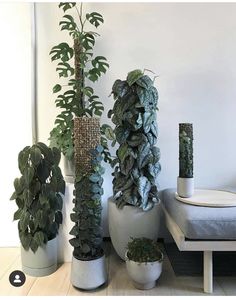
(88, 274)
(69, 170)
(130, 222)
(185, 187)
(144, 275)
(41, 263)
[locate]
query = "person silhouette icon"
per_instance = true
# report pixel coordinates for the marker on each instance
(17, 279)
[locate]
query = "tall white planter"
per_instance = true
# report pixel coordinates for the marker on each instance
(88, 274)
(41, 263)
(185, 187)
(130, 222)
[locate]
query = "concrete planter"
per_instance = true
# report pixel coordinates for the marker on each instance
(185, 187)
(41, 263)
(131, 222)
(69, 170)
(144, 275)
(88, 274)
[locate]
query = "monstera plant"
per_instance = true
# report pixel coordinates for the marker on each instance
(137, 165)
(134, 116)
(78, 64)
(38, 196)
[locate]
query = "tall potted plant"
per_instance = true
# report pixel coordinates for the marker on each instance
(133, 210)
(38, 197)
(77, 63)
(185, 181)
(88, 269)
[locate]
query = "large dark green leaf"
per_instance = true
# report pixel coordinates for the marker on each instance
(133, 76)
(67, 5)
(144, 187)
(145, 82)
(17, 214)
(39, 238)
(95, 18)
(62, 51)
(35, 155)
(29, 175)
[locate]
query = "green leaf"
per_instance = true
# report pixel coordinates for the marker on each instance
(95, 18)
(145, 82)
(144, 187)
(122, 152)
(18, 186)
(62, 51)
(133, 76)
(56, 155)
(68, 23)
(17, 214)
(56, 88)
(24, 220)
(39, 238)
(25, 239)
(88, 41)
(74, 230)
(33, 245)
(94, 178)
(65, 70)
(28, 175)
(35, 155)
(58, 217)
(100, 64)
(13, 196)
(85, 248)
(67, 5)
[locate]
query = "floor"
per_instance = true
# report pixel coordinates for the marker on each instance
(58, 284)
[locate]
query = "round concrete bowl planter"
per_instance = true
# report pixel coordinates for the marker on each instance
(144, 275)
(41, 263)
(130, 222)
(185, 187)
(88, 274)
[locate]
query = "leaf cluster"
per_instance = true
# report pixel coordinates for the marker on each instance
(143, 250)
(78, 64)
(137, 163)
(38, 195)
(185, 150)
(87, 232)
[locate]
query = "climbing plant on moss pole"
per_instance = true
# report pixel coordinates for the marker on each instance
(86, 214)
(78, 64)
(137, 163)
(38, 195)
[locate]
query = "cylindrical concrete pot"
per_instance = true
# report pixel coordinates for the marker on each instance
(130, 222)
(41, 263)
(144, 275)
(88, 274)
(69, 170)
(185, 187)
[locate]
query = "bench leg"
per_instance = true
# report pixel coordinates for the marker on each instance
(208, 272)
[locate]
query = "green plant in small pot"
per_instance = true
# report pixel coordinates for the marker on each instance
(185, 181)
(38, 196)
(88, 269)
(144, 262)
(134, 209)
(77, 67)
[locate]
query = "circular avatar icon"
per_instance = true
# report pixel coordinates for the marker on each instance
(17, 278)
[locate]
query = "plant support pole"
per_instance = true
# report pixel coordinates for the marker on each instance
(33, 75)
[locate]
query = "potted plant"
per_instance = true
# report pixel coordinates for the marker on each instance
(76, 98)
(144, 262)
(185, 181)
(133, 210)
(38, 197)
(88, 269)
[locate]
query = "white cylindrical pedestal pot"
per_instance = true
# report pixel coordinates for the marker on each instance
(144, 275)
(88, 274)
(41, 263)
(69, 170)
(130, 222)
(185, 187)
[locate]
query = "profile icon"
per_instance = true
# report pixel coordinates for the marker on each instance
(17, 278)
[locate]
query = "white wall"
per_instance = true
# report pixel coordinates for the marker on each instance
(15, 119)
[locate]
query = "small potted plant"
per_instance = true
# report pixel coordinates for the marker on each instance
(134, 209)
(144, 262)
(185, 181)
(38, 197)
